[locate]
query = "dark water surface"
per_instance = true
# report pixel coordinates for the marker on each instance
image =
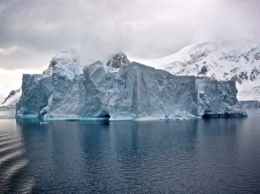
(196, 156)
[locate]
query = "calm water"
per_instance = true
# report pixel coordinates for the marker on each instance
(198, 156)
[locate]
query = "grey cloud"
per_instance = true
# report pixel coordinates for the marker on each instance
(142, 29)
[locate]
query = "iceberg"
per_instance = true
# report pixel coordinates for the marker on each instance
(218, 99)
(122, 90)
(34, 95)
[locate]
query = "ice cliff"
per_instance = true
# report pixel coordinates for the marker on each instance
(121, 90)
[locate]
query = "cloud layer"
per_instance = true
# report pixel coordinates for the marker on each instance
(32, 32)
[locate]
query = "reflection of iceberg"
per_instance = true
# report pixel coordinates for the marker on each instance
(58, 155)
(13, 161)
(121, 91)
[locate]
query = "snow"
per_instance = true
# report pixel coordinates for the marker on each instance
(66, 63)
(251, 104)
(133, 92)
(2, 99)
(12, 99)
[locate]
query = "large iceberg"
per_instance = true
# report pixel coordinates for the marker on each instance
(121, 90)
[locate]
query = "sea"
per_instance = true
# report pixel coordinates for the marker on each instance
(217, 155)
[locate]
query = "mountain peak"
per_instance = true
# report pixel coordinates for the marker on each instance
(11, 100)
(66, 60)
(117, 60)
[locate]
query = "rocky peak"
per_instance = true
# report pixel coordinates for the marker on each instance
(117, 60)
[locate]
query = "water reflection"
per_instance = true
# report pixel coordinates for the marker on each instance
(13, 160)
(200, 156)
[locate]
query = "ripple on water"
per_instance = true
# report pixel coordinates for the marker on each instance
(13, 161)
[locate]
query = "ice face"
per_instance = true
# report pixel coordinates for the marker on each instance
(33, 98)
(134, 91)
(81, 97)
(217, 98)
(143, 92)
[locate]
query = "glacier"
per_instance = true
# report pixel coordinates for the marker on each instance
(122, 90)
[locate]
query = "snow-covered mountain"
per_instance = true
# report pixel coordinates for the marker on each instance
(216, 61)
(11, 100)
(251, 104)
(2, 98)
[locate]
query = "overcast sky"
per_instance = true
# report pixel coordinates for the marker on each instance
(32, 32)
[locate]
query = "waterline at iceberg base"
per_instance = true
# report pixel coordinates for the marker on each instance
(121, 90)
